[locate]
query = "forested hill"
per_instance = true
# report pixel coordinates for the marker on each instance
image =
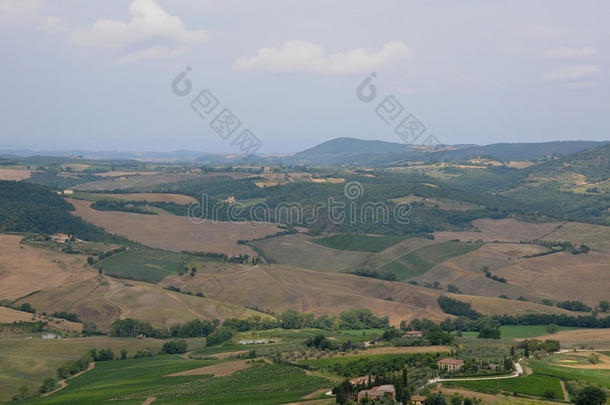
(26, 207)
(369, 152)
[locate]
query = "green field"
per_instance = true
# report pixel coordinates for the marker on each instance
(331, 361)
(523, 331)
(359, 243)
(132, 381)
(592, 376)
(143, 268)
(534, 384)
(423, 259)
(27, 362)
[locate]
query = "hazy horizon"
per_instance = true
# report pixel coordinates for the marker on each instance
(100, 77)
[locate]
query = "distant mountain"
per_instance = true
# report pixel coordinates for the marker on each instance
(355, 145)
(523, 151)
(369, 152)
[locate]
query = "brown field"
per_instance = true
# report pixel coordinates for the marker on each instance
(14, 174)
(217, 370)
(598, 338)
(558, 276)
(154, 197)
(175, 233)
(25, 269)
(118, 173)
(499, 306)
(8, 315)
(148, 179)
(562, 276)
(103, 299)
(279, 288)
(77, 167)
(504, 230)
(520, 165)
(597, 237)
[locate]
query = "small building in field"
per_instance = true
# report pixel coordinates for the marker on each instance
(377, 392)
(60, 238)
(418, 399)
(450, 364)
(414, 334)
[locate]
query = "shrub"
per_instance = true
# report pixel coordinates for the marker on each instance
(174, 347)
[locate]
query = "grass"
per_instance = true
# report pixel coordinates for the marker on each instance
(535, 384)
(331, 361)
(523, 331)
(423, 259)
(592, 376)
(124, 377)
(132, 381)
(359, 243)
(153, 270)
(339, 336)
(27, 362)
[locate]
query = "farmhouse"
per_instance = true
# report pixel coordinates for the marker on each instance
(377, 392)
(450, 364)
(60, 238)
(414, 334)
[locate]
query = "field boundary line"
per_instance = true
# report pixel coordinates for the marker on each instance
(63, 383)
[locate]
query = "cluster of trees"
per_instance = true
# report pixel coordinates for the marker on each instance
(534, 345)
(458, 308)
(72, 367)
(589, 321)
(68, 316)
(576, 306)
(380, 275)
(174, 347)
(26, 207)
(382, 366)
(29, 327)
(433, 334)
(495, 277)
(217, 332)
(353, 319)
(223, 257)
(467, 316)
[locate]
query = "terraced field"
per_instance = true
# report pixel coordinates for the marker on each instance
(421, 260)
(359, 243)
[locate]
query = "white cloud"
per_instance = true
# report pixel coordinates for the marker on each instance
(570, 53)
(304, 56)
(27, 13)
(150, 34)
(581, 85)
(574, 72)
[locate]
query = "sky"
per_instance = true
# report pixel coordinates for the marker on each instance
(100, 75)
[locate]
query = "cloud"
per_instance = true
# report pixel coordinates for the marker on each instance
(307, 57)
(574, 72)
(27, 13)
(581, 85)
(151, 33)
(570, 53)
